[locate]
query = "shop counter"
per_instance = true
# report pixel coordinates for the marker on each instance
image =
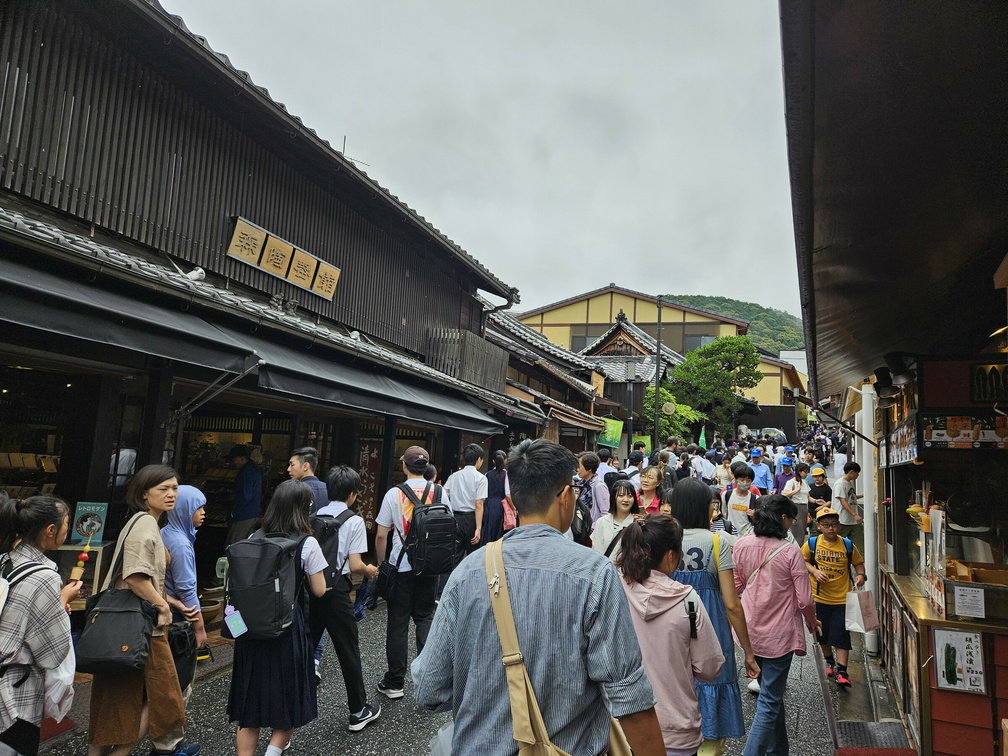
(949, 675)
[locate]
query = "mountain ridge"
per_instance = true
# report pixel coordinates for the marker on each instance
(769, 328)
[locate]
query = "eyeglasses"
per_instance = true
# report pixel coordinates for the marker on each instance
(829, 525)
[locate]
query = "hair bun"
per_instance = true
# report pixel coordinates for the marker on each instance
(21, 504)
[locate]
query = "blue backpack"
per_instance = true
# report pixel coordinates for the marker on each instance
(850, 554)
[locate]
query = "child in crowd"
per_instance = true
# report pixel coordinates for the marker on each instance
(273, 681)
(677, 640)
(334, 611)
(828, 559)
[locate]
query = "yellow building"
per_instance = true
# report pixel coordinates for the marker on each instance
(576, 322)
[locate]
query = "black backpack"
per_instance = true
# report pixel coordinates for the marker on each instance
(433, 534)
(326, 529)
(581, 524)
(264, 578)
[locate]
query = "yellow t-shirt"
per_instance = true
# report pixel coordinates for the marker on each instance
(831, 558)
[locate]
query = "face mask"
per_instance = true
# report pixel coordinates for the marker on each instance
(743, 486)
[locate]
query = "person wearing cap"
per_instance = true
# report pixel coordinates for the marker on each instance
(762, 477)
(414, 595)
(247, 501)
(467, 488)
(820, 492)
(786, 474)
(828, 559)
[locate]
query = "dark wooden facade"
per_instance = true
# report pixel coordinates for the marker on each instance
(112, 113)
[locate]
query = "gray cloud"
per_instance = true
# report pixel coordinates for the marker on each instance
(564, 144)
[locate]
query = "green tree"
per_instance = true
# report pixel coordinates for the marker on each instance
(710, 378)
(676, 424)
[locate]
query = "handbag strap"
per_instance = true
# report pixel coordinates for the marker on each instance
(526, 717)
(117, 565)
(770, 556)
(716, 554)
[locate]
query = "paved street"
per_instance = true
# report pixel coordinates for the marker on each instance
(402, 729)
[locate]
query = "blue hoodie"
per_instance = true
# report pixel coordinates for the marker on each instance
(179, 538)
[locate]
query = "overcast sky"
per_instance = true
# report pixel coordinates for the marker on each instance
(563, 143)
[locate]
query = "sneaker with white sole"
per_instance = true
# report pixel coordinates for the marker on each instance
(371, 713)
(388, 691)
(753, 686)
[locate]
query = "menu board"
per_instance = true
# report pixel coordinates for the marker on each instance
(978, 430)
(959, 661)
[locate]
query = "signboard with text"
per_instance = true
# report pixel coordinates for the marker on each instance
(259, 248)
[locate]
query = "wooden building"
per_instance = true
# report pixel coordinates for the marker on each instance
(184, 266)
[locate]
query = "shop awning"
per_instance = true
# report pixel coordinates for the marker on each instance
(48, 303)
(317, 374)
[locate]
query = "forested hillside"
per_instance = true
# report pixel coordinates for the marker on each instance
(769, 329)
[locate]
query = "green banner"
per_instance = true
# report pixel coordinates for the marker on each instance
(611, 433)
(647, 443)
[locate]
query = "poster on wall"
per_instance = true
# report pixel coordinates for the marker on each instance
(88, 521)
(959, 661)
(902, 443)
(611, 432)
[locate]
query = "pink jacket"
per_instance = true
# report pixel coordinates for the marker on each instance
(778, 598)
(671, 658)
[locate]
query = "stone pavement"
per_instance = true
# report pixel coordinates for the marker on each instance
(405, 730)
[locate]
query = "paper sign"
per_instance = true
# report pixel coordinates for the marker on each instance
(969, 602)
(959, 661)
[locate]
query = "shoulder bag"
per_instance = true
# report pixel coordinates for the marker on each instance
(529, 728)
(117, 627)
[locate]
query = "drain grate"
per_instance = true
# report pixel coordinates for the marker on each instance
(871, 735)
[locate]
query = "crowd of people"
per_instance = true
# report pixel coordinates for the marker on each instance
(688, 553)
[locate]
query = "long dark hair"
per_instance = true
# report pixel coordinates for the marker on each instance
(691, 500)
(145, 479)
(25, 519)
(499, 459)
(767, 519)
(645, 543)
(287, 511)
(623, 486)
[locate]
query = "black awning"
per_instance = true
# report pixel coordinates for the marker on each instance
(47, 303)
(318, 374)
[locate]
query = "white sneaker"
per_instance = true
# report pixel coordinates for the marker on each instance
(754, 686)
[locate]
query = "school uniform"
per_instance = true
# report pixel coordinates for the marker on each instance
(334, 611)
(273, 681)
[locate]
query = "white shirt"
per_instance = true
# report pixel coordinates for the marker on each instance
(635, 479)
(312, 558)
(352, 534)
(464, 487)
(802, 487)
(603, 468)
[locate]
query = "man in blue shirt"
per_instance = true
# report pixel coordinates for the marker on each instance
(247, 502)
(573, 622)
(763, 479)
(301, 466)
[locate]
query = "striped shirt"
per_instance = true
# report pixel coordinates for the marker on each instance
(575, 633)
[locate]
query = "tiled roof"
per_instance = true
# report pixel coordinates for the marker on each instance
(504, 341)
(178, 25)
(16, 225)
(536, 340)
(615, 367)
(551, 402)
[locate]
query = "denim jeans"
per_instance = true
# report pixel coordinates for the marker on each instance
(768, 733)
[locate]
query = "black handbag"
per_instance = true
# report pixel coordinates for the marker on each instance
(386, 580)
(182, 640)
(117, 628)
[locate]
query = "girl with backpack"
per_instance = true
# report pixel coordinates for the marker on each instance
(608, 527)
(677, 640)
(707, 566)
(273, 680)
(34, 621)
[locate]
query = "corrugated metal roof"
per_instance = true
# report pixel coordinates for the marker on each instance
(178, 25)
(17, 226)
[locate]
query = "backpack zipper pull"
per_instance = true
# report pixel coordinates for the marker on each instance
(495, 584)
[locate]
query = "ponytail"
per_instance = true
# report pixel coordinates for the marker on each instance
(645, 543)
(663, 460)
(25, 519)
(499, 459)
